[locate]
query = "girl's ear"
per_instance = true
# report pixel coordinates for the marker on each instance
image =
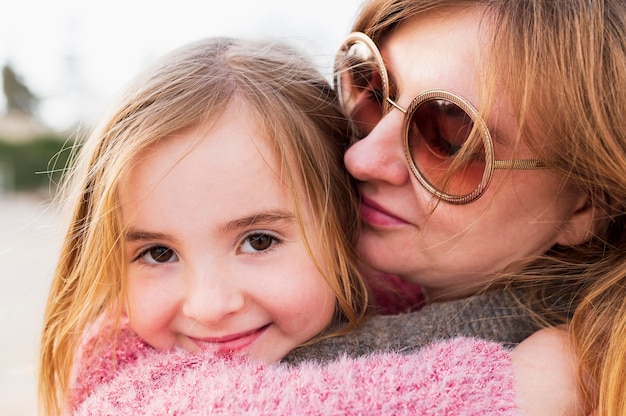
(584, 221)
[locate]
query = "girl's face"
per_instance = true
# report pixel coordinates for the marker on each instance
(454, 249)
(215, 257)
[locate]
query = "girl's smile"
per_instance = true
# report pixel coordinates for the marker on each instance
(232, 343)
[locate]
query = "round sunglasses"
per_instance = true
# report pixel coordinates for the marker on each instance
(447, 144)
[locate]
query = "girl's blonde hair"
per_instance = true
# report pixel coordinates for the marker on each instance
(297, 112)
(562, 63)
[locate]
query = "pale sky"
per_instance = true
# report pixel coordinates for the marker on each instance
(77, 54)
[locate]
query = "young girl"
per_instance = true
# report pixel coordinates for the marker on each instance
(212, 212)
(212, 230)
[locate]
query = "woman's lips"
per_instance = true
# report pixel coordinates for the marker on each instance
(373, 214)
(229, 344)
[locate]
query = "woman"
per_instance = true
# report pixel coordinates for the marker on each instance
(493, 153)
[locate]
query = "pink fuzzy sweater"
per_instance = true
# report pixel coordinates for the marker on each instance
(460, 376)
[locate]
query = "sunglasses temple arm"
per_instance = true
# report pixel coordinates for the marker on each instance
(520, 164)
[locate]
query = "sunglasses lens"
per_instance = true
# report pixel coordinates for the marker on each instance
(447, 151)
(359, 81)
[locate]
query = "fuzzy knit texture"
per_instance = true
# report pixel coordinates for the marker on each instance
(459, 376)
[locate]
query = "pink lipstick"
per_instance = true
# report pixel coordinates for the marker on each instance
(376, 216)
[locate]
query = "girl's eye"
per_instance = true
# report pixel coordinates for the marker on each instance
(157, 255)
(255, 243)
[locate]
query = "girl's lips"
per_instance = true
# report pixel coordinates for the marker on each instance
(373, 214)
(230, 343)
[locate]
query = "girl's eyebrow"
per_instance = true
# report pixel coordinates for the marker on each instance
(258, 219)
(264, 218)
(132, 235)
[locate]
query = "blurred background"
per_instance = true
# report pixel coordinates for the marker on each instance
(62, 63)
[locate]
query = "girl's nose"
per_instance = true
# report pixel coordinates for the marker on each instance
(211, 300)
(380, 155)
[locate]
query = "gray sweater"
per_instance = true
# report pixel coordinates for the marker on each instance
(494, 315)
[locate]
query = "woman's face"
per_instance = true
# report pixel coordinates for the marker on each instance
(454, 249)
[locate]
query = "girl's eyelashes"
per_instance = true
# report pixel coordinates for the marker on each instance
(253, 243)
(157, 255)
(258, 242)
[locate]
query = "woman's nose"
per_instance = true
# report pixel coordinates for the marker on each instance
(379, 156)
(211, 299)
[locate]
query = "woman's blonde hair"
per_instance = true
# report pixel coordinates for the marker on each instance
(562, 63)
(299, 115)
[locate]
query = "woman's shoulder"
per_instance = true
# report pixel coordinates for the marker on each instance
(546, 374)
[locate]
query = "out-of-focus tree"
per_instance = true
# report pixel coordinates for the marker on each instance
(19, 97)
